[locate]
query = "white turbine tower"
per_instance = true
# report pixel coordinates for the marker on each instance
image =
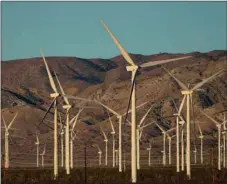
(133, 68)
(42, 155)
(116, 151)
(37, 149)
(201, 143)
(71, 148)
(99, 154)
(186, 91)
(224, 141)
(149, 154)
(7, 128)
(218, 125)
(195, 152)
(170, 145)
(182, 145)
(62, 142)
(106, 144)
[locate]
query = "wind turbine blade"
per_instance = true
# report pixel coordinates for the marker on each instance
(200, 129)
(70, 122)
(143, 118)
(111, 122)
(74, 124)
(44, 149)
(206, 80)
(147, 124)
(171, 129)
(181, 105)
(111, 110)
(12, 121)
(160, 127)
(62, 90)
(77, 98)
(37, 138)
(48, 72)
(175, 105)
(181, 84)
(141, 129)
(4, 122)
(153, 63)
(122, 50)
(52, 103)
(103, 133)
(217, 123)
(139, 106)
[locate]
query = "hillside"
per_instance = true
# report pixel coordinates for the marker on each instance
(25, 89)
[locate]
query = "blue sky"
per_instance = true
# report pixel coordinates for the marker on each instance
(74, 29)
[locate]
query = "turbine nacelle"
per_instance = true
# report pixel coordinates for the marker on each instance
(148, 149)
(181, 122)
(54, 95)
(132, 68)
(66, 106)
(187, 92)
(201, 137)
(112, 133)
(105, 140)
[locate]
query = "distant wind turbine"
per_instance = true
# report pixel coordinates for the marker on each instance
(186, 91)
(42, 155)
(7, 128)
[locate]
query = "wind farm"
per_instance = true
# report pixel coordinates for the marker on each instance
(132, 118)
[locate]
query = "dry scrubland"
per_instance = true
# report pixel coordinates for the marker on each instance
(112, 176)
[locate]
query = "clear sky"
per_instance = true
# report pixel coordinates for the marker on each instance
(74, 29)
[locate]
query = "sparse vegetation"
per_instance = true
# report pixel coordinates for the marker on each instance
(112, 176)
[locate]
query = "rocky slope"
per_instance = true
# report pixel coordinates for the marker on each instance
(25, 89)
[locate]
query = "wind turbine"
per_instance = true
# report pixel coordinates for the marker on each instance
(71, 146)
(139, 134)
(186, 91)
(119, 116)
(7, 128)
(37, 148)
(54, 95)
(100, 154)
(164, 133)
(218, 125)
(201, 143)
(73, 137)
(106, 142)
(67, 107)
(133, 68)
(178, 116)
(42, 155)
(149, 154)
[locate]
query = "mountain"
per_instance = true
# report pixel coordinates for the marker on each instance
(25, 89)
